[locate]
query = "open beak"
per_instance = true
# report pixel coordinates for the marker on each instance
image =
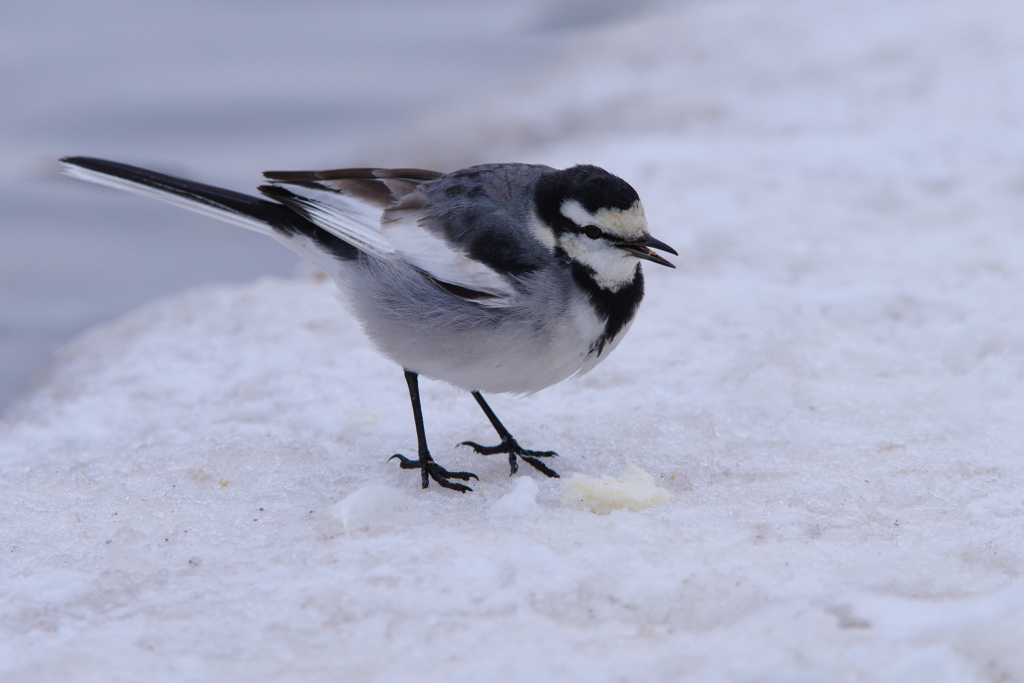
(641, 248)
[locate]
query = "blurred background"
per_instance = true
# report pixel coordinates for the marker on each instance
(219, 92)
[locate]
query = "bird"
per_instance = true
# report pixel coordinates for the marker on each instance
(496, 278)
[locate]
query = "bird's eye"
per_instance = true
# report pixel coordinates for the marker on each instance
(592, 231)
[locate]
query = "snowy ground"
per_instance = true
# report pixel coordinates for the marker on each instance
(830, 387)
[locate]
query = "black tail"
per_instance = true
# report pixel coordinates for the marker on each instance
(245, 210)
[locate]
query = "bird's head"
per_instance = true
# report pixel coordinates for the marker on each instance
(596, 220)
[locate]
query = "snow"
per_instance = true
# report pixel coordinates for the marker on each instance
(829, 387)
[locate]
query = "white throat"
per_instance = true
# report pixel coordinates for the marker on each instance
(612, 267)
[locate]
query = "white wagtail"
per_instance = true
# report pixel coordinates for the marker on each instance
(495, 278)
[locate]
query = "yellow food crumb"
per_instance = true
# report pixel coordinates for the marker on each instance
(633, 490)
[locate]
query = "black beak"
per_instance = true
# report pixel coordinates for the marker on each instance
(641, 248)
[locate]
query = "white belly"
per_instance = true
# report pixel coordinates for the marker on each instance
(520, 349)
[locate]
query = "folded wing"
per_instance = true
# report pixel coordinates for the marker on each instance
(380, 212)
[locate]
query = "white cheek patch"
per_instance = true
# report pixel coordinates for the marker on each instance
(612, 267)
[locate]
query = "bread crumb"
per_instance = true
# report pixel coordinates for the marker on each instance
(632, 490)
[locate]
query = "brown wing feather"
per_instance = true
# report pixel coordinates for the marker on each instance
(380, 187)
(369, 190)
(407, 173)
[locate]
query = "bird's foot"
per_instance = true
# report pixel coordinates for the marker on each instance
(431, 470)
(511, 446)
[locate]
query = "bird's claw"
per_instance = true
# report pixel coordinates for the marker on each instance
(431, 470)
(512, 447)
(538, 465)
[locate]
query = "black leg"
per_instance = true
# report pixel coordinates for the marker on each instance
(428, 468)
(509, 444)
